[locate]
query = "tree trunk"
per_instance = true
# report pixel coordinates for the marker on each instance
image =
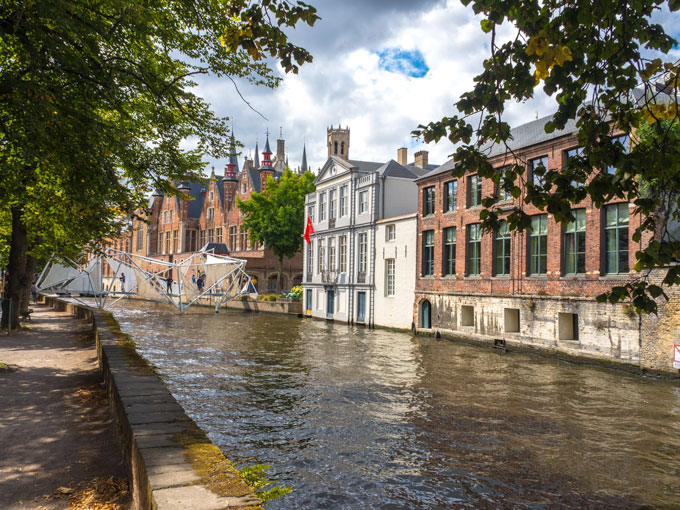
(16, 269)
(27, 281)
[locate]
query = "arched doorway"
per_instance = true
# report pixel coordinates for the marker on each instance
(425, 314)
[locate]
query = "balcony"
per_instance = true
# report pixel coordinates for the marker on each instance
(361, 277)
(329, 276)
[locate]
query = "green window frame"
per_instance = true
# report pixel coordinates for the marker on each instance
(474, 191)
(474, 249)
(616, 238)
(501, 250)
(428, 253)
(575, 244)
(449, 251)
(538, 245)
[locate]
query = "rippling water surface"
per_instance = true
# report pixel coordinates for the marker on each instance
(357, 418)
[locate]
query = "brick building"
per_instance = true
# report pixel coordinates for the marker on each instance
(537, 287)
(176, 227)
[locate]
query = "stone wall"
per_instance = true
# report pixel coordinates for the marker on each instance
(603, 331)
(172, 463)
(662, 331)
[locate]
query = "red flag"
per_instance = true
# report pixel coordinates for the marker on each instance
(308, 230)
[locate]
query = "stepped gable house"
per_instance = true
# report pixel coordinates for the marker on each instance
(177, 227)
(537, 287)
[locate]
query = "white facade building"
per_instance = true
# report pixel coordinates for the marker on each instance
(351, 196)
(395, 270)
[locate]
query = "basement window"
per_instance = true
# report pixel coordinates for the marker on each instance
(568, 326)
(511, 316)
(467, 315)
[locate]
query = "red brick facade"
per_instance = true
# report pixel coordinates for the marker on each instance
(555, 281)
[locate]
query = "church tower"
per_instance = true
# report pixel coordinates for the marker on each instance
(267, 168)
(338, 142)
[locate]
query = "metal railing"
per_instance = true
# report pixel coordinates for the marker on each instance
(329, 276)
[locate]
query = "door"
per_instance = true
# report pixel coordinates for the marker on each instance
(308, 302)
(425, 315)
(330, 302)
(361, 307)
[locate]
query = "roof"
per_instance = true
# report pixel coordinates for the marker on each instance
(254, 177)
(217, 248)
(363, 166)
(394, 169)
(196, 205)
(526, 135)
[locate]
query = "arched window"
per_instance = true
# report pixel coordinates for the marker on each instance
(425, 314)
(342, 147)
(271, 283)
(336, 147)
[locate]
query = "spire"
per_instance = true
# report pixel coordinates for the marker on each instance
(267, 154)
(304, 158)
(256, 164)
(233, 158)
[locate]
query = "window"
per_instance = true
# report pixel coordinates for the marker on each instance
(450, 196)
(575, 244)
(538, 168)
(167, 242)
(428, 253)
(616, 238)
(331, 204)
(502, 250)
(343, 254)
(474, 245)
(140, 238)
(363, 201)
(390, 232)
(474, 190)
(310, 258)
(244, 188)
(567, 326)
(449, 251)
(389, 277)
(165, 217)
(342, 147)
(201, 239)
(244, 239)
(233, 238)
(321, 253)
(499, 191)
(189, 240)
(331, 254)
(211, 196)
(175, 241)
(322, 207)
(218, 234)
(310, 213)
(538, 245)
(363, 251)
(625, 141)
(211, 213)
(428, 201)
(343, 201)
(159, 248)
(211, 235)
(573, 153)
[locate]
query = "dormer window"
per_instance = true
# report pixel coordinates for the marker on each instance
(244, 188)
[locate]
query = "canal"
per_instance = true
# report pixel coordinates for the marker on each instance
(353, 418)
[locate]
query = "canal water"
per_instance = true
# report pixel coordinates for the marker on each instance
(353, 418)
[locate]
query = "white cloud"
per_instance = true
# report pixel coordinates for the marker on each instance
(346, 84)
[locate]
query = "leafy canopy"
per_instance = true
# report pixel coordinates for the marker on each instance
(96, 101)
(276, 216)
(597, 60)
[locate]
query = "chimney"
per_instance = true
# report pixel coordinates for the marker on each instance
(402, 156)
(421, 159)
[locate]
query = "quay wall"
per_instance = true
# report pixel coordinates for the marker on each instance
(171, 462)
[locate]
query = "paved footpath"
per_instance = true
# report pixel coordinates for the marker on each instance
(55, 425)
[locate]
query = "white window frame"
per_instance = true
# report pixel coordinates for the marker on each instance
(390, 272)
(322, 206)
(390, 232)
(343, 254)
(363, 201)
(343, 201)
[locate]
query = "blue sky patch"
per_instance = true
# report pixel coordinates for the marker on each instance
(409, 63)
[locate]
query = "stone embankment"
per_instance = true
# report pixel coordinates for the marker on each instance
(172, 463)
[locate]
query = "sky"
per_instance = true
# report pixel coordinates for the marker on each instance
(381, 68)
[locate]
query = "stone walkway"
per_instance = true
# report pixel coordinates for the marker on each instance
(55, 425)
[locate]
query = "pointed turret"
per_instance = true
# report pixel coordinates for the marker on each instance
(232, 167)
(304, 159)
(266, 169)
(256, 163)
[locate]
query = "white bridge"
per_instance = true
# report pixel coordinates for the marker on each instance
(179, 283)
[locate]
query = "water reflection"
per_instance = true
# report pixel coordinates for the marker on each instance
(354, 418)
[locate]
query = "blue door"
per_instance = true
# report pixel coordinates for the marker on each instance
(361, 307)
(308, 301)
(330, 303)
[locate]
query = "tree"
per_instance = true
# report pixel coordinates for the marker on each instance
(602, 63)
(96, 99)
(276, 216)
